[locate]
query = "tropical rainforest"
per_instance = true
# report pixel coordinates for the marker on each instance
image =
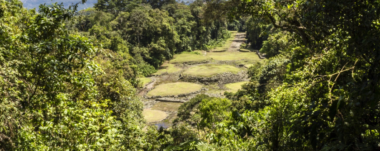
(70, 79)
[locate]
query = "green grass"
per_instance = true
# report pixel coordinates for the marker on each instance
(234, 87)
(227, 44)
(233, 56)
(208, 70)
(246, 50)
(189, 57)
(167, 106)
(168, 68)
(154, 115)
(214, 89)
(145, 81)
(177, 88)
(248, 65)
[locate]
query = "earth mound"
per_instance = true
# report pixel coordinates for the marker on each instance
(154, 115)
(209, 70)
(174, 90)
(211, 73)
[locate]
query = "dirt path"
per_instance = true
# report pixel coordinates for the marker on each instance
(239, 39)
(148, 87)
(151, 85)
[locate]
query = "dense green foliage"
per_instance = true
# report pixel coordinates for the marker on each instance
(150, 31)
(59, 92)
(319, 90)
(68, 79)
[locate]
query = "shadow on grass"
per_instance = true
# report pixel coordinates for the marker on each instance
(247, 50)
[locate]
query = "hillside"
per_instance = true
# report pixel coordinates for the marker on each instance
(194, 76)
(152, 75)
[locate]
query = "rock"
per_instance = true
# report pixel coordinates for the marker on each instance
(220, 78)
(169, 100)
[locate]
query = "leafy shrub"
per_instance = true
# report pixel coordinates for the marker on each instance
(184, 111)
(243, 45)
(146, 69)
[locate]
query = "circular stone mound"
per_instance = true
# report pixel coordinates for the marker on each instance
(154, 115)
(234, 87)
(172, 89)
(167, 106)
(194, 57)
(234, 56)
(209, 70)
(168, 69)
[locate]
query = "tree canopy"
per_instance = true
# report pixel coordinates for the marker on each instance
(68, 78)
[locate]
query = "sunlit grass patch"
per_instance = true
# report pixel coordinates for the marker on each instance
(167, 106)
(154, 115)
(208, 70)
(233, 56)
(189, 57)
(170, 89)
(144, 81)
(234, 87)
(225, 45)
(168, 68)
(248, 65)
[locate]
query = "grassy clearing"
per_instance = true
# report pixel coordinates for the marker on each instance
(225, 45)
(208, 70)
(234, 87)
(233, 56)
(144, 81)
(154, 115)
(167, 106)
(168, 68)
(177, 88)
(248, 65)
(190, 57)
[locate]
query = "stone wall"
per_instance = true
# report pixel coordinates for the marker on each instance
(192, 62)
(174, 96)
(260, 55)
(223, 78)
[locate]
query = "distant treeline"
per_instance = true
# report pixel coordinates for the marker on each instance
(149, 32)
